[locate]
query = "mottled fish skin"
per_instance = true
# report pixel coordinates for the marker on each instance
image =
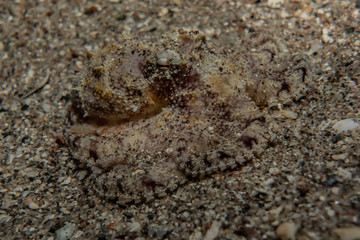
(147, 116)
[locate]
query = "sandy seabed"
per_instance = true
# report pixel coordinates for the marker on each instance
(304, 186)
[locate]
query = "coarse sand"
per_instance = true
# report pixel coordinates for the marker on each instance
(305, 185)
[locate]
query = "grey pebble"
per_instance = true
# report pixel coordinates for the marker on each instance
(65, 232)
(158, 231)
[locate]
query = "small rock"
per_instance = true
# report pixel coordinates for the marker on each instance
(247, 231)
(30, 173)
(46, 107)
(291, 179)
(315, 48)
(274, 171)
(91, 10)
(177, 2)
(65, 232)
(351, 233)
(186, 215)
(65, 211)
(49, 217)
(275, 3)
(196, 235)
(286, 230)
(339, 156)
(335, 190)
(4, 219)
(343, 173)
(33, 206)
(66, 181)
(268, 182)
(82, 174)
(330, 212)
(159, 231)
(325, 36)
(276, 212)
(345, 125)
(112, 226)
(289, 114)
(2, 46)
(135, 227)
(121, 17)
(78, 235)
(213, 231)
(29, 202)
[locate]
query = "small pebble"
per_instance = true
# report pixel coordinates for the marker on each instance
(289, 114)
(286, 230)
(4, 219)
(135, 227)
(339, 156)
(46, 107)
(66, 181)
(196, 235)
(82, 174)
(213, 231)
(275, 3)
(325, 36)
(91, 10)
(268, 182)
(158, 232)
(331, 213)
(351, 233)
(345, 125)
(33, 206)
(30, 173)
(65, 211)
(335, 190)
(276, 212)
(65, 232)
(274, 171)
(29, 202)
(344, 173)
(2, 46)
